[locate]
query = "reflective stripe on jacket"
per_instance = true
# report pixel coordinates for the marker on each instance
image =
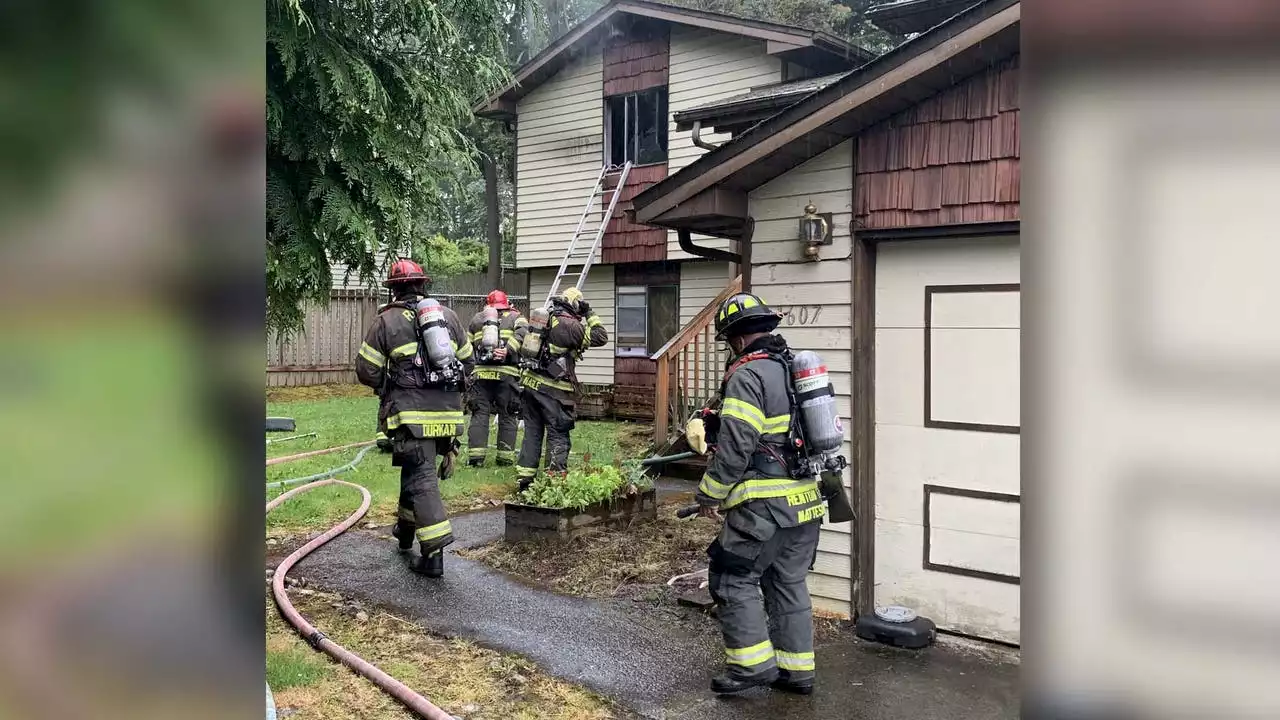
(386, 360)
(755, 418)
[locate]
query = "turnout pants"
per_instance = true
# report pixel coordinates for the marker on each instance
(489, 398)
(421, 510)
(757, 577)
(544, 414)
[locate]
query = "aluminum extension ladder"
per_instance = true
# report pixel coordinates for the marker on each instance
(575, 254)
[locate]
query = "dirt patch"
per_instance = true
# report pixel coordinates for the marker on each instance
(635, 440)
(634, 561)
(316, 392)
(462, 678)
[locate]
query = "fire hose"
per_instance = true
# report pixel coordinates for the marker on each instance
(401, 692)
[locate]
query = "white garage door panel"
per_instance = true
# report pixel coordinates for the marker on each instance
(899, 369)
(908, 458)
(904, 269)
(971, 340)
(975, 606)
(972, 551)
(976, 310)
(979, 516)
(974, 375)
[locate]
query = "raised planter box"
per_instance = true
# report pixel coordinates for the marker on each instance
(531, 521)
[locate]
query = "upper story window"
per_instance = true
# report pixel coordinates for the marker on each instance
(636, 127)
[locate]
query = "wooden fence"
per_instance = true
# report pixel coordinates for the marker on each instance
(324, 350)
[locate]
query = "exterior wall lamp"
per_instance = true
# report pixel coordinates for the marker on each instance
(815, 230)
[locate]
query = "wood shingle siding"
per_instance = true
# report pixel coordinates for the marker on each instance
(706, 67)
(816, 298)
(625, 241)
(951, 159)
(559, 146)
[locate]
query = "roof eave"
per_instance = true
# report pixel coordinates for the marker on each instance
(789, 41)
(823, 107)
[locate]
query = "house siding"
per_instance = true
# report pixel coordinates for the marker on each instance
(638, 62)
(704, 67)
(700, 282)
(816, 297)
(953, 158)
(559, 150)
(596, 366)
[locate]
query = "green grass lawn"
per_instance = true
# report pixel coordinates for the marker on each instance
(343, 415)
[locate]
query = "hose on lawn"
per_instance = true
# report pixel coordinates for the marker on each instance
(410, 699)
(313, 453)
(323, 475)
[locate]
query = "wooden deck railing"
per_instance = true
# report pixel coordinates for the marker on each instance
(689, 369)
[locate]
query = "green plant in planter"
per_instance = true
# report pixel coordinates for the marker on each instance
(581, 487)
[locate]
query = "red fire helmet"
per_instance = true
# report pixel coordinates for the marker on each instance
(404, 270)
(498, 299)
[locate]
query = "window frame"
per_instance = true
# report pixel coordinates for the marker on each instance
(622, 348)
(630, 103)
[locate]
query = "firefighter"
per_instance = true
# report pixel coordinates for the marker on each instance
(495, 389)
(423, 415)
(383, 442)
(769, 540)
(550, 388)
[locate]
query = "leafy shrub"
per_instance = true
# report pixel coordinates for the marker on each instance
(580, 487)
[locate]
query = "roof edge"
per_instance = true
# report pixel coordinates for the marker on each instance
(746, 27)
(706, 170)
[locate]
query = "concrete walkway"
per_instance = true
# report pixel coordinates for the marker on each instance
(655, 661)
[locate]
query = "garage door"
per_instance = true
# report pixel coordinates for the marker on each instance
(947, 423)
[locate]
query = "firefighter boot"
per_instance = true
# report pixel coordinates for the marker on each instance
(403, 535)
(431, 564)
(727, 684)
(803, 687)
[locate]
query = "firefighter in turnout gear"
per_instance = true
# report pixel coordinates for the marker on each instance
(423, 403)
(496, 386)
(769, 540)
(550, 380)
(383, 442)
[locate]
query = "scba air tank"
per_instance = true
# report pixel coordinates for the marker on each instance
(823, 430)
(435, 334)
(532, 344)
(489, 333)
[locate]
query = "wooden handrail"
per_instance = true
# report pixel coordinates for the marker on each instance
(672, 359)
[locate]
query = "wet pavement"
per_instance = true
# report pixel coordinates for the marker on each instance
(656, 661)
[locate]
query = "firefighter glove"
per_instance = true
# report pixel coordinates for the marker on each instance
(696, 433)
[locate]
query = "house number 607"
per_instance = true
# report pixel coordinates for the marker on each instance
(801, 314)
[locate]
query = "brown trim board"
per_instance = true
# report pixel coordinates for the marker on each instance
(929, 422)
(928, 564)
(863, 388)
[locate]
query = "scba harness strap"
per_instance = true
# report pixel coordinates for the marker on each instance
(767, 454)
(448, 379)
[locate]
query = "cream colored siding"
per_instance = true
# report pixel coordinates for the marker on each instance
(338, 271)
(700, 283)
(559, 151)
(816, 296)
(704, 67)
(596, 367)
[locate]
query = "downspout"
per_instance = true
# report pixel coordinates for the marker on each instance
(697, 137)
(686, 244)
